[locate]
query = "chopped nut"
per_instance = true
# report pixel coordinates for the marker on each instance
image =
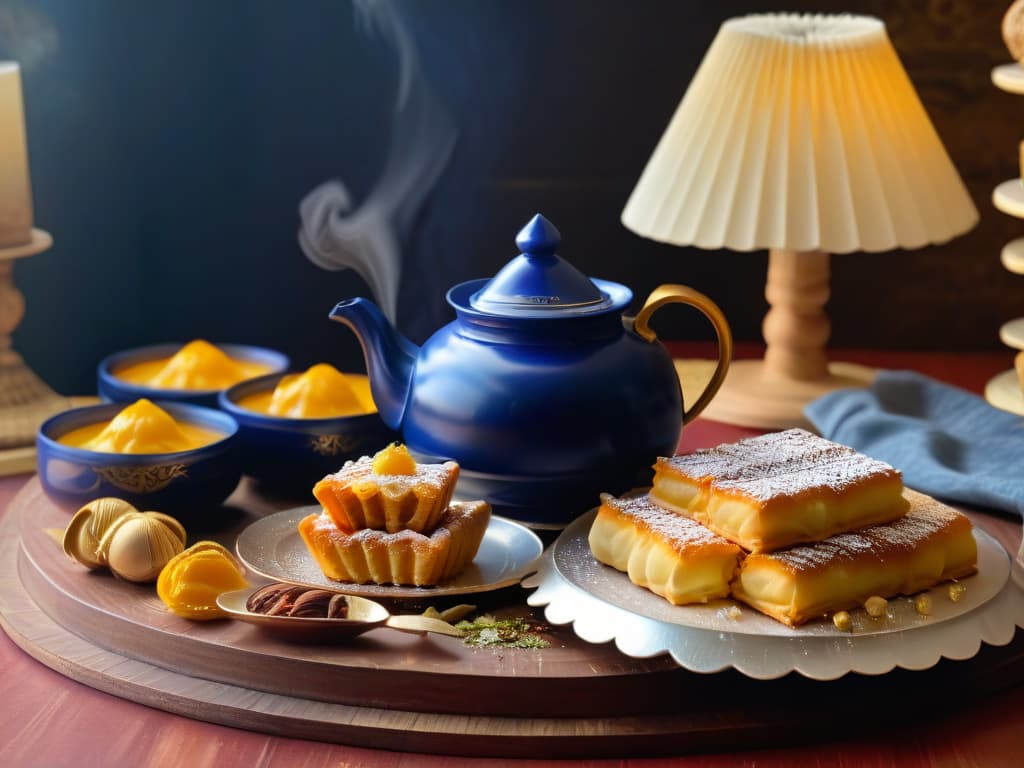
(338, 607)
(312, 604)
(734, 613)
(957, 591)
(265, 598)
(301, 602)
(876, 607)
(842, 621)
(923, 603)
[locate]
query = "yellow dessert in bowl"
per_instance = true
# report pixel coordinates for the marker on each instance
(142, 427)
(197, 365)
(194, 372)
(321, 392)
(296, 428)
(167, 456)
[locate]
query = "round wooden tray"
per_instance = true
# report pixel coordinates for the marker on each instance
(431, 694)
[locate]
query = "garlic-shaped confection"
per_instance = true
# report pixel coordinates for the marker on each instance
(177, 528)
(82, 536)
(139, 545)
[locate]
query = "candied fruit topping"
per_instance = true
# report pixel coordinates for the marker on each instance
(394, 460)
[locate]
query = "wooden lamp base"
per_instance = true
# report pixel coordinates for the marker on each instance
(771, 393)
(25, 401)
(752, 397)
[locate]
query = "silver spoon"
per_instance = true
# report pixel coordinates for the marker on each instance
(363, 615)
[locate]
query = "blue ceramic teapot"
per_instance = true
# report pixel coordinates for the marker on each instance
(540, 389)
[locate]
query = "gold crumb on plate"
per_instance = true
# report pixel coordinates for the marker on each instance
(842, 621)
(876, 606)
(923, 604)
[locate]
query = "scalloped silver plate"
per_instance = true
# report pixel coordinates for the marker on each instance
(603, 605)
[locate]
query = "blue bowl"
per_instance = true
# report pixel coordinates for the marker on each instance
(289, 455)
(116, 390)
(176, 483)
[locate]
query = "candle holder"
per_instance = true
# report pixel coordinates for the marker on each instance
(25, 401)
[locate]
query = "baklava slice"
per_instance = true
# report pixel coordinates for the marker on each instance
(930, 544)
(776, 490)
(669, 554)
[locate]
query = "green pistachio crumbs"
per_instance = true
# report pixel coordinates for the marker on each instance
(486, 631)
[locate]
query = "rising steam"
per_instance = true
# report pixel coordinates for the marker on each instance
(334, 233)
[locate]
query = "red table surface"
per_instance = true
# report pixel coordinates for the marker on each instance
(50, 720)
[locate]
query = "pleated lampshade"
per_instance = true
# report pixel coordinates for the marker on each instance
(800, 132)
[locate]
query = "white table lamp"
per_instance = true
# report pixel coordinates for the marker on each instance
(801, 134)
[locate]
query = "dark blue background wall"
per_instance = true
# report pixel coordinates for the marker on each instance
(171, 143)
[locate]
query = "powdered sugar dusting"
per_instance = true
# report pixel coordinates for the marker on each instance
(678, 530)
(778, 465)
(434, 476)
(925, 520)
(457, 515)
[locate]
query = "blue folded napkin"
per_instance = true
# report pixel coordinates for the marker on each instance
(948, 442)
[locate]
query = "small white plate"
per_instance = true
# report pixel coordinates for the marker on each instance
(273, 548)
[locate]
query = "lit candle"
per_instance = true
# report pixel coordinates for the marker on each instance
(15, 193)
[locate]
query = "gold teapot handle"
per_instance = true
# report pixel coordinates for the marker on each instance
(681, 294)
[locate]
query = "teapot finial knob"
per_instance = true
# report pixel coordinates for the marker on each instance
(539, 237)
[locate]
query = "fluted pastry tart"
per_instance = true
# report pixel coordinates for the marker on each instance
(930, 544)
(667, 553)
(389, 492)
(780, 489)
(403, 557)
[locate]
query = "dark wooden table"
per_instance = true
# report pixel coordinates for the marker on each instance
(50, 720)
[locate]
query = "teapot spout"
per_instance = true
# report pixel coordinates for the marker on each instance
(390, 357)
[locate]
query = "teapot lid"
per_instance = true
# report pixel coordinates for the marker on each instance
(540, 283)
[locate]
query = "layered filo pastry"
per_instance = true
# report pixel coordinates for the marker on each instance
(779, 489)
(932, 543)
(669, 554)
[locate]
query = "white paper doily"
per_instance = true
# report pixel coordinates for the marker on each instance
(818, 653)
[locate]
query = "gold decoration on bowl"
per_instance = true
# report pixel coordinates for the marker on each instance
(142, 479)
(332, 445)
